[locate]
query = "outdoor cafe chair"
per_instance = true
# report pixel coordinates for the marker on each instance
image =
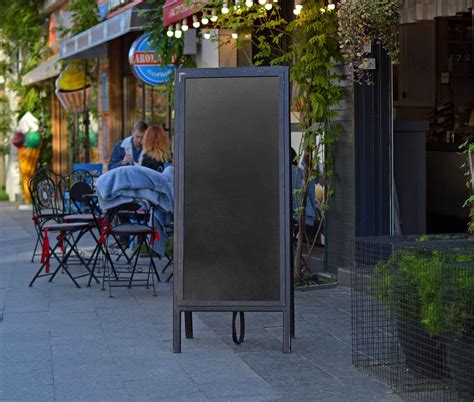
(140, 225)
(40, 219)
(169, 229)
(72, 205)
(44, 194)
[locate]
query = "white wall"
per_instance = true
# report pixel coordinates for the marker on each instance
(207, 55)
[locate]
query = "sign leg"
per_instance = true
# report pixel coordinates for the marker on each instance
(287, 330)
(176, 331)
(188, 324)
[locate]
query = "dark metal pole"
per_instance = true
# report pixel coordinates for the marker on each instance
(152, 111)
(144, 101)
(86, 121)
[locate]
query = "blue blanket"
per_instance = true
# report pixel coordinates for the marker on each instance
(136, 183)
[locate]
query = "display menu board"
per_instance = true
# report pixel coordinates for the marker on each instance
(232, 183)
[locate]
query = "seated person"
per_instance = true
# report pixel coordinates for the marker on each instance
(156, 148)
(129, 151)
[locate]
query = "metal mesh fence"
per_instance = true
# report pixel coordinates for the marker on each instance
(413, 314)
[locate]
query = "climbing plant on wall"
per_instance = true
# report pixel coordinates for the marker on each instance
(23, 37)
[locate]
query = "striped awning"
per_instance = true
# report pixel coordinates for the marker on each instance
(46, 70)
(419, 10)
(93, 42)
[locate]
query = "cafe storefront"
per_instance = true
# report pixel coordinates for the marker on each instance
(398, 168)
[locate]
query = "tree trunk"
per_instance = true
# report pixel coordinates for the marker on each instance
(298, 261)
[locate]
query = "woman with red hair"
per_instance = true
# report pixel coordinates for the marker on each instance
(156, 148)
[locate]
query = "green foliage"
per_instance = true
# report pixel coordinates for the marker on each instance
(265, 30)
(23, 37)
(84, 15)
(362, 21)
(5, 125)
(3, 194)
(169, 51)
(467, 148)
(429, 287)
(22, 29)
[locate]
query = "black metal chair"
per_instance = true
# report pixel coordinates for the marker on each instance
(82, 181)
(140, 226)
(38, 220)
(169, 254)
(46, 206)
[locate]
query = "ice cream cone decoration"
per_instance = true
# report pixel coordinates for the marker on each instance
(73, 89)
(28, 159)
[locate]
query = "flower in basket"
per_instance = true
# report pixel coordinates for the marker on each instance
(363, 22)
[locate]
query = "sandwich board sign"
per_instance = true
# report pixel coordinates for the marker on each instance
(232, 194)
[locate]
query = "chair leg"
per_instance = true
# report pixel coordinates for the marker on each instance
(107, 268)
(137, 256)
(168, 264)
(151, 265)
(123, 250)
(154, 268)
(36, 247)
(65, 257)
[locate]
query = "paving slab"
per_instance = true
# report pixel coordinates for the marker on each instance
(60, 343)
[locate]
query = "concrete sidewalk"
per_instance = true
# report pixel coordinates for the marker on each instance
(61, 343)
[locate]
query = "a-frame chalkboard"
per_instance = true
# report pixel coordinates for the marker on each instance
(232, 193)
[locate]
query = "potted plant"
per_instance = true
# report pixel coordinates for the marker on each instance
(429, 294)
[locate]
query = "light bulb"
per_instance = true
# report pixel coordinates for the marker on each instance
(170, 32)
(207, 35)
(214, 15)
(322, 9)
(177, 32)
(262, 2)
(225, 8)
(184, 25)
(268, 5)
(298, 6)
(275, 1)
(234, 35)
(204, 19)
(331, 6)
(249, 3)
(297, 11)
(196, 23)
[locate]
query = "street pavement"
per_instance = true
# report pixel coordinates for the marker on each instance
(60, 343)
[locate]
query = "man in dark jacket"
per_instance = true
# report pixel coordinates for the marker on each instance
(129, 151)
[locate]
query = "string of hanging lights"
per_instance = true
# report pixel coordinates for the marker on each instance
(235, 6)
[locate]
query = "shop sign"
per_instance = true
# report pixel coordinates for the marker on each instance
(145, 65)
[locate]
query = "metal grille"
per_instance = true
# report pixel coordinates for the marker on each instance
(413, 314)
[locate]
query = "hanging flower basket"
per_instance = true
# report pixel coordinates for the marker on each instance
(364, 22)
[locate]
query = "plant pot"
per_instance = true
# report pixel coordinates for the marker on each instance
(424, 354)
(460, 364)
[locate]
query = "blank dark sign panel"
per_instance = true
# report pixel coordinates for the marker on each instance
(231, 211)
